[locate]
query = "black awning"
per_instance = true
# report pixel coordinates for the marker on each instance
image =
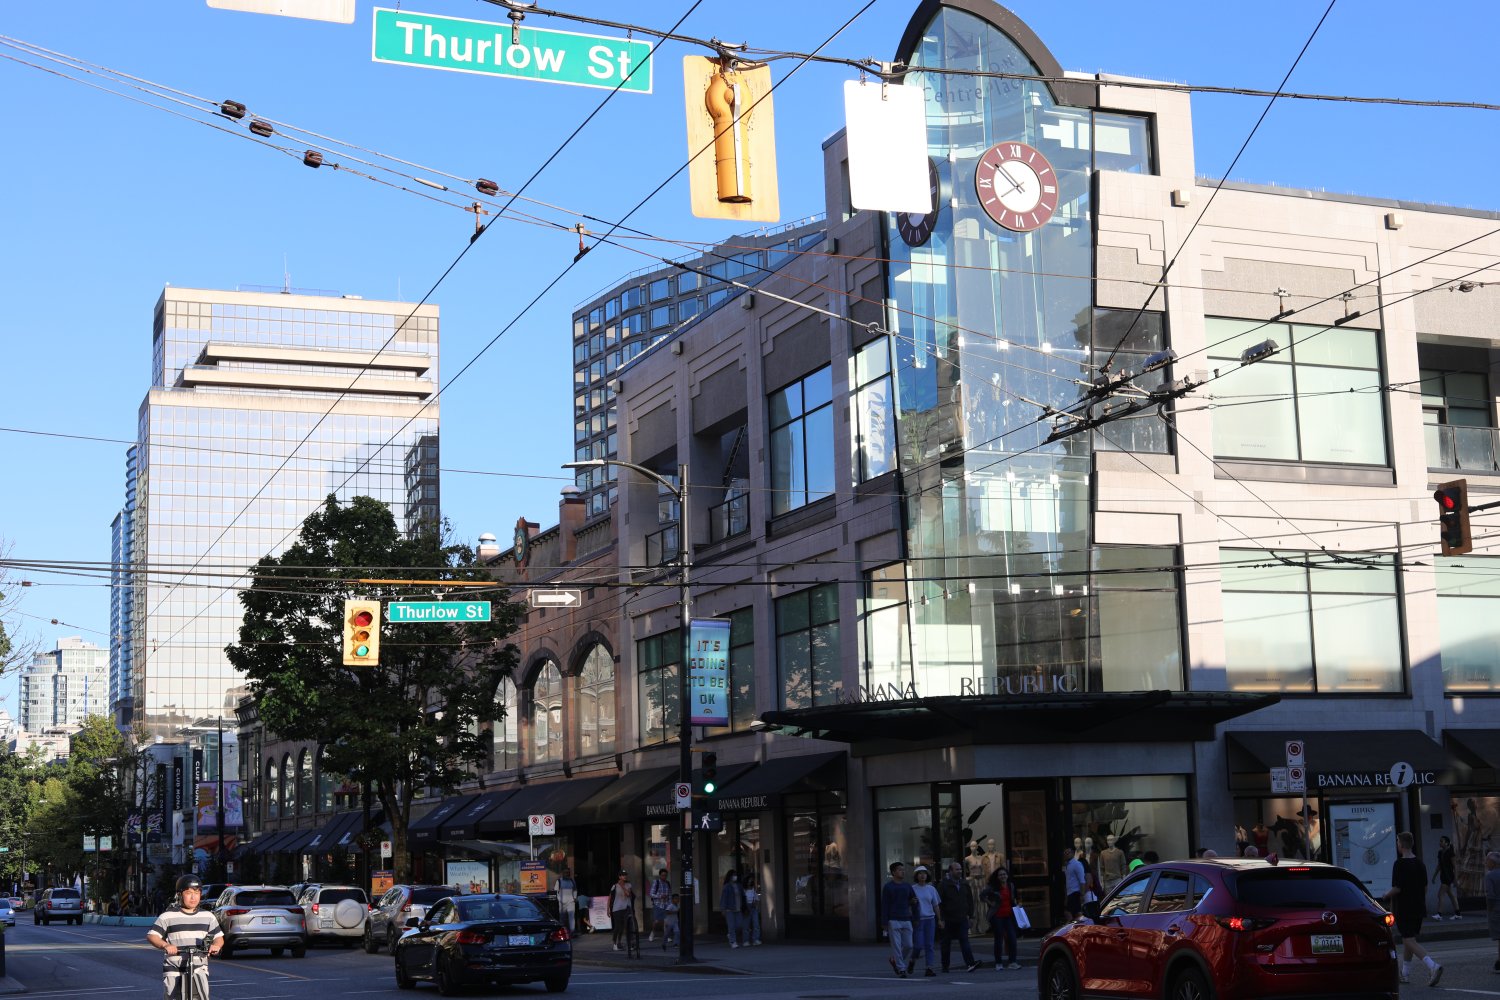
(270, 843)
(662, 803)
(1478, 747)
(425, 830)
(328, 838)
(762, 787)
(1121, 717)
(612, 804)
(299, 841)
(464, 824)
(556, 797)
(1351, 758)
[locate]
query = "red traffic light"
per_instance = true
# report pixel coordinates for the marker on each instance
(362, 618)
(1447, 500)
(1453, 517)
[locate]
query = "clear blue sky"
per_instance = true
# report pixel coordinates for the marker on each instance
(103, 201)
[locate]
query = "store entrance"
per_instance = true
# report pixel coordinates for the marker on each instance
(1027, 806)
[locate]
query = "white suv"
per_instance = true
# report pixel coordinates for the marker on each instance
(335, 913)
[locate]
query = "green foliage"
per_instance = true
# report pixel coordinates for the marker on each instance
(414, 720)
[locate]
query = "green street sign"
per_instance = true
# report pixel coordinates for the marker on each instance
(428, 612)
(466, 46)
(4, 850)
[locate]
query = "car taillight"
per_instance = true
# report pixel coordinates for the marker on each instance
(470, 937)
(315, 909)
(406, 908)
(1245, 923)
(561, 934)
(235, 912)
(1390, 919)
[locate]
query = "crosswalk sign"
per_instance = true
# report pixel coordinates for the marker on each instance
(710, 822)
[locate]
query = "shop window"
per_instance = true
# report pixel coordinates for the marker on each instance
(1312, 401)
(1299, 622)
(801, 425)
(807, 647)
(657, 659)
(273, 790)
(506, 732)
(874, 410)
(1142, 812)
(1469, 623)
(304, 783)
(594, 703)
(288, 787)
(545, 714)
(327, 784)
(1132, 336)
(885, 643)
(817, 888)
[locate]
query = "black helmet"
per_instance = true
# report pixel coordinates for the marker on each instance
(189, 882)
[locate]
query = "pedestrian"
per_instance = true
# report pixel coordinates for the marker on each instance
(1445, 876)
(1074, 879)
(732, 905)
(566, 891)
(1147, 858)
(184, 927)
(999, 898)
(621, 906)
(958, 913)
(660, 894)
(929, 919)
(752, 908)
(1492, 898)
(669, 924)
(1409, 892)
(898, 906)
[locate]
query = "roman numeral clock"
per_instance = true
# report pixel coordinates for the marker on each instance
(1016, 185)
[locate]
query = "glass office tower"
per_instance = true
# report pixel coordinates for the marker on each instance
(262, 404)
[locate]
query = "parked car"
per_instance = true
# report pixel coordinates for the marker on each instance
(399, 904)
(212, 891)
(7, 913)
(484, 939)
(58, 904)
(261, 916)
(335, 913)
(1232, 929)
(16, 903)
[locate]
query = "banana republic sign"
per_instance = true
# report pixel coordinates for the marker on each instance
(1400, 775)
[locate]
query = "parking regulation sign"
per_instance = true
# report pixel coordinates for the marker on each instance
(1296, 779)
(1296, 753)
(542, 824)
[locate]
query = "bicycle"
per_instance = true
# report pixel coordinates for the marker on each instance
(632, 936)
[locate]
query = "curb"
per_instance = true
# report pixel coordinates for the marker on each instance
(638, 965)
(9, 985)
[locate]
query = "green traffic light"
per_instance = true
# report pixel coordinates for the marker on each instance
(361, 650)
(709, 788)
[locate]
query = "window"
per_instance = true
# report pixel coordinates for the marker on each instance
(807, 647)
(1299, 622)
(304, 783)
(1132, 340)
(631, 298)
(657, 660)
(545, 703)
(874, 411)
(273, 790)
(1302, 404)
(1171, 893)
(1140, 631)
(1457, 409)
(594, 703)
(885, 650)
(661, 288)
(689, 307)
(687, 281)
(741, 671)
(327, 784)
(507, 752)
(661, 316)
(1128, 899)
(1145, 812)
(288, 787)
(1469, 623)
(801, 418)
(1122, 142)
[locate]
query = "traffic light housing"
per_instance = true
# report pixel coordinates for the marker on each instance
(1453, 517)
(361, 633)
(710, 773)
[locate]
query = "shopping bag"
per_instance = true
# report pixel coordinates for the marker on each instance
(1022, 920)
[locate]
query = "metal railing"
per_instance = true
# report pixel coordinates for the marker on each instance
(730, 518)
(664, 546)
(1470, 449)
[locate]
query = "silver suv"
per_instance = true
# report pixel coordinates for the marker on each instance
(261, 916)
(335, 913)
(399, 904)
(58, 904)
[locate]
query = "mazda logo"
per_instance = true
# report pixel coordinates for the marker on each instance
(1329, 917)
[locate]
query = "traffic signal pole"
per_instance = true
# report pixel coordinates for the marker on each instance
(685, 715)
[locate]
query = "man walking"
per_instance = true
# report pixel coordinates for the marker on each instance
(660, 894)
(187, 936)
(898, 905)
(958, 911)
(1074, 879)
(567, 900)
(621, 907)
(1409, 892)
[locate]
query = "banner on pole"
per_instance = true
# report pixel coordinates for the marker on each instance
(708, 671)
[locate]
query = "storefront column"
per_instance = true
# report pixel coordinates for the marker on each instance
(864, 894)
(1211, 798)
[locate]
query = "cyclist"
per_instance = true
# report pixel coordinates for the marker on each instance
(187, 935)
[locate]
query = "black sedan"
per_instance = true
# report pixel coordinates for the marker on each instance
(485, 939)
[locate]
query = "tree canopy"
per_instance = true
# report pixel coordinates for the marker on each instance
(413, 721)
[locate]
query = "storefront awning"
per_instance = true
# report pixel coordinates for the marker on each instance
(555, 797)
(662, 803)
(298, 844)
(1121, 717)
(330, 837)
(1352, 758)
(612, 804)
(1479, 747)
(464, 824)
(271, 842)
(762, 787)
(425, 830)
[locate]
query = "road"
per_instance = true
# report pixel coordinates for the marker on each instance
(109, 962)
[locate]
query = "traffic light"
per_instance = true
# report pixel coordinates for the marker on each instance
(710, 773)
(361, 633)
(1453, 517)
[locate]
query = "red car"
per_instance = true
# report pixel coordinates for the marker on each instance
(1226, 929)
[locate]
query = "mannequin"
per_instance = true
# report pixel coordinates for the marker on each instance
(1112, 864)
(992, 860)
(974, 871)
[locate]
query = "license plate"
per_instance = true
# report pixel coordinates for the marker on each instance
(1328, 944)
(520, 940)
(270, 920)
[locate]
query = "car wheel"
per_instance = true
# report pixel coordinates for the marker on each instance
(370, 946)
(300, 951)
(403, 981)
(447, 982)
(391, 938)
(1190, 985)
(227, 951)
(556, 984)
(36, 918)
(1059, 982)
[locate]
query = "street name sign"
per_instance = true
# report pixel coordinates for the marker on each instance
(556, 598)
(438, 611)
(461, 45)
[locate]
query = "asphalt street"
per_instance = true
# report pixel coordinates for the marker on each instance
(106, 962)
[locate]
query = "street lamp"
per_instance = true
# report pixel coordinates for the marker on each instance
(685, 728)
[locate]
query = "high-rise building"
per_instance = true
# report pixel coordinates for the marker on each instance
(60, 687)
(261, 405)
(121, 595)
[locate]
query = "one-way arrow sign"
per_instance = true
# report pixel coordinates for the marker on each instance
(556, 598)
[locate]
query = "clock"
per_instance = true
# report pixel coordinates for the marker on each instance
(1016, 185)
(914, 227)
(521, 551)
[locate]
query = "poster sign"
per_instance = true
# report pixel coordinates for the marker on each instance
(599, 913)
(208, 805)
(468, 877)
(381, 882)
(1280, 784)
(1364, 841)
(708, 671)
(177, 785)
(533, 878)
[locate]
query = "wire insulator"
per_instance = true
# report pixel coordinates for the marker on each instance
(312, 158)
(261, 128)
(232, 109)
(487, 187)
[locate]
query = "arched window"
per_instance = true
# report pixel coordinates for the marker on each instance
(328, 783)
(594, 703)
(546, 714)
(288, 787)
(273, 790)
(305, 801)
(507, 728)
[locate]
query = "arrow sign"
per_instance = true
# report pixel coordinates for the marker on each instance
(556, 598)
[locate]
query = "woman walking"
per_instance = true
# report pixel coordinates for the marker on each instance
(999, 897)
(1445, 876)
(732, 904)
(929, 918)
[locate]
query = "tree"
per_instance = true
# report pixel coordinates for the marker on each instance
(96, 772)
(14, 652)
(413, 721)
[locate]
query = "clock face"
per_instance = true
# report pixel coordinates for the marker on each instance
(1016, 185)
(914, 227)
(522, 538)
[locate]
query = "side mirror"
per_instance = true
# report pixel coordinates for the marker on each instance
(413, 921)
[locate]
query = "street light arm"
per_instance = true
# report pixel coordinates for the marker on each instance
(599, 463)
